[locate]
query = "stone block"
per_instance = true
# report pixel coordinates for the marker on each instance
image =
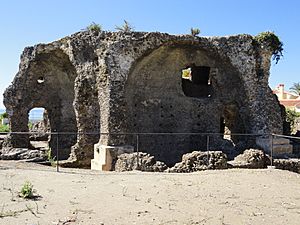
(281, 141)
(280, 145)
(105, 155)
(282, 149)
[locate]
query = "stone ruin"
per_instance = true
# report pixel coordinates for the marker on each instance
(117, 83)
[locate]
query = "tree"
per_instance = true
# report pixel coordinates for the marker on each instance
(295, 88)
(126, 27)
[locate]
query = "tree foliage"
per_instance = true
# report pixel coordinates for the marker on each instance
(3, 115)
(270, 40)
(4, 128)
(291, 116)
(295, 88)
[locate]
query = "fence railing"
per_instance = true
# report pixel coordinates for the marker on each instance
(165, 146)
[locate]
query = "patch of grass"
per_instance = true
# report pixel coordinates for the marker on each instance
(50, 158)
(27, 190)
(14, 213)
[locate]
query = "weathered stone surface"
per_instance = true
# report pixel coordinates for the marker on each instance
(251, 158)
(138, 161)
(115, 82)
(287, 164)
(22, 154)
(198, 160)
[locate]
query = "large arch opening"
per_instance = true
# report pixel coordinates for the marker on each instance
(158, 101)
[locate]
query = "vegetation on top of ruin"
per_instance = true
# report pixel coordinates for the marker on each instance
(94, 27)
(195, 31)
(295, 88)
(126, 27)
(270, 40)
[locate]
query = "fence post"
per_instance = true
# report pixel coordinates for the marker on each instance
(207, 149)
(57, 159)
(137, 151)
(271, 150)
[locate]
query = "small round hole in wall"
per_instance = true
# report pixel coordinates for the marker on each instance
(40, 80)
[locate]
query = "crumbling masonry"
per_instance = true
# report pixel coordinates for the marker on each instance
(116, 82)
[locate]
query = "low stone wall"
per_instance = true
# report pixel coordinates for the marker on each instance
(288, 164)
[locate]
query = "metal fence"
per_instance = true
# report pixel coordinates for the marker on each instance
(55, 147)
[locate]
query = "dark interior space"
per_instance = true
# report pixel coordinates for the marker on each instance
(197, 85)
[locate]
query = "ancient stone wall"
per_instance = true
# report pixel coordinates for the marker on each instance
(116, 82)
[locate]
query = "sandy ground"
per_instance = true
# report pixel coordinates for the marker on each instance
(87, 197)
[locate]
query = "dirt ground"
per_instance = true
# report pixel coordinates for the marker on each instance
(72, 196)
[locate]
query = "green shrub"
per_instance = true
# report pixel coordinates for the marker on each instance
(94, 27)
(30, 125)
(27, 190)
(4, 128)
(3, 115)
(50, 158)
(270, 40)
(126, 27)
(291, 116)
(195, 31)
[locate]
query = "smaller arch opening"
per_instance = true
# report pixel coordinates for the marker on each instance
(196, 81)
(39, 127)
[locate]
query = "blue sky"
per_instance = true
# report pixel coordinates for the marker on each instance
(25, 23)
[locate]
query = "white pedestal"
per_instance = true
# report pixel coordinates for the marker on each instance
(105, 155)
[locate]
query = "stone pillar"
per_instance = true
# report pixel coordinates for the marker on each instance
(18, 123)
